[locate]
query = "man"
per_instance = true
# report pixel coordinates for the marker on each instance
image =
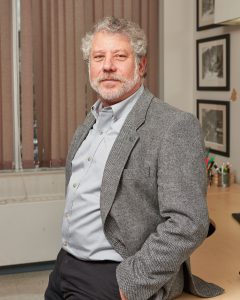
(135, 184)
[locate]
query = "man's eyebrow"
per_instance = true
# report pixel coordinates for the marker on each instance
(120, 50)
(114, 51)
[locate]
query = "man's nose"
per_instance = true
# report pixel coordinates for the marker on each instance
(108, 64)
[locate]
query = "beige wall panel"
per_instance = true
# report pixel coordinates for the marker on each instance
(70, 67)
(46, 103)
(108, 7)
(63, 142)
(118, 8)
(127, 9)
(136, 11)
(54, 85)
(26, 80)
(6, 96)
(98, 10)
(80, 73)
(38, 70)
(153, 47)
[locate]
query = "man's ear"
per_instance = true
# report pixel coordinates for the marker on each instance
(142, 66)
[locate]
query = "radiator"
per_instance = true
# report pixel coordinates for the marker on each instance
(31, 209)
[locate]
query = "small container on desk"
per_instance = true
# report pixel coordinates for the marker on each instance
(223, 181)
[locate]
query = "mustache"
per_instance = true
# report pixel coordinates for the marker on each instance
(110, 77)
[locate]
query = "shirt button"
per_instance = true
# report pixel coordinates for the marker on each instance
(65, 243)
(74, 185)
(67, 215)
(89, 158)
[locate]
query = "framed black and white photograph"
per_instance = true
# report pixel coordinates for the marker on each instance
(214, 119)
(213, 63)
(205, 14)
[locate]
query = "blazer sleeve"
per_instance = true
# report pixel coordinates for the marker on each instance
(182, 186)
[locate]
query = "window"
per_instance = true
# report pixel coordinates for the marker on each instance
(39, 117)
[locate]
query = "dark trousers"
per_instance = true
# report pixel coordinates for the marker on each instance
(75, 279)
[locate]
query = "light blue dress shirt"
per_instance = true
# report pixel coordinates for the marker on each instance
(82, 230)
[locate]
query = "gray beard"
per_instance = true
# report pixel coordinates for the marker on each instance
(113, 95)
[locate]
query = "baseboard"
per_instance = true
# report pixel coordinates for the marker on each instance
(29, 267)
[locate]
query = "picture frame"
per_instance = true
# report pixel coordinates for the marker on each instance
(214, 117)
(213, 63)
(205, 14)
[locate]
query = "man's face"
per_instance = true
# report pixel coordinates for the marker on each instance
(113, 71)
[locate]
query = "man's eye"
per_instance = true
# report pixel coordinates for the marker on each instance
(121, 56)
(98, 57)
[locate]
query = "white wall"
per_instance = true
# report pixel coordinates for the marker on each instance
(31, 209)
(234, 32)
(179, 62)
(178, 53)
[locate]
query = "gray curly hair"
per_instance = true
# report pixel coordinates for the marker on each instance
(132, 30)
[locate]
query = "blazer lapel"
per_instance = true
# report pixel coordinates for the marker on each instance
(81, 134)
(120, 152)
(78, 138)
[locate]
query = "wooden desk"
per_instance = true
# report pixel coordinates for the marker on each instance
(217, 260)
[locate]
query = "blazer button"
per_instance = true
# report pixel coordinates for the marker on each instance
(131, 139)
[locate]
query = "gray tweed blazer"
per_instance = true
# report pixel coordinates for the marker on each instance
(153, 205)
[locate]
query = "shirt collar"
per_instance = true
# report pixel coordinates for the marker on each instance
(119, 108)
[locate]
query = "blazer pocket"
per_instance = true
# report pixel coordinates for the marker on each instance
(139, 173)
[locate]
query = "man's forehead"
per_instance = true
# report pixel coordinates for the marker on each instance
(111, 38)
(111, 43)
